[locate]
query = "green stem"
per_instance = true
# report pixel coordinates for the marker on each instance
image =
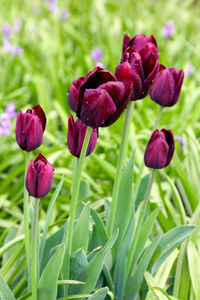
(72, 211)
(34, 257)
(120, 164)
(26, 214)
(158, 118)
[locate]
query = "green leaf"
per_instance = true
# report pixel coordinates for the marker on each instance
(170, 241)
(100, 294)
(47, 287)
(91, 273)
(81, 231)
(48, 217)
(5, 292)
(194, 268)
(135, 282)
(142, 189)
(124, 202)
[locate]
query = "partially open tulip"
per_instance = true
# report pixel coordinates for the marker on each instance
(139, 64)
(75, 137)
(39, 177)
(102, 98)
(160, 149)
(74, 92)
(30, 127)
(167, 87)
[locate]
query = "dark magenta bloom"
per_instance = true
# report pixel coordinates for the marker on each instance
(167, 87)
(160, 149)
(102, 98)
(74, 92)
(139, 64)
(75, 137)
(39, 177)
(30, 127)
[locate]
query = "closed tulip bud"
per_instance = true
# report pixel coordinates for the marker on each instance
(30, 127)
(102, 98)
(167, 87)
(75, 137)
(74, 92)
(39, 177)
(160, 149)
(139, 64)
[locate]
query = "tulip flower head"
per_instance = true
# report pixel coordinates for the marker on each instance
(167, 87)
(39, 177)
(75, 137)
(139, 64)
(102, 98)
(160, 149)
(30, 127)
(73, 93)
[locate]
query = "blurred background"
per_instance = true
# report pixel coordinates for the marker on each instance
(45, 45)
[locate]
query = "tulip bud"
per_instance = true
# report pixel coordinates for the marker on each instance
(160, 149)
(75, 137)
(30, 127)
(73, 93)
(102, 98)
(39, 177)
(167, 87)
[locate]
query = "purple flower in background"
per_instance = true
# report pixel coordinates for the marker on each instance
(4, 130)
(96, 54)
(6, 46)
(190, 70)
(17, 25)
(5, 120)
(180, 140)
(99, 64)
(53, 6)
(11, 110)
(6, 30)
(168, 29)
(64, 15)
(17, 50)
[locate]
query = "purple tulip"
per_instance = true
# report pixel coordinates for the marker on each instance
(168, 29)
(139, 64)
(102, 98)
(30, 127)
(160, 149)
(96, 54)
(75, 137)
(74, 92)
(39, 177)
(167, 87)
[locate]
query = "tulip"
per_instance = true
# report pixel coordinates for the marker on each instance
(160, 149)
(74, 92)
(139, 64)
(30, 127)
(75, 137)
(167, 87)
(102, 98)
(39, 177)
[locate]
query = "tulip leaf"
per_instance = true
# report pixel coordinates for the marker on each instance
(47, 287)
(91, 273)
(135, 282)
(100, 294)
(5, 292)
(124, 202)
(81, 231)
(48, 217)
(78, 263)
(194, 268)
(168, 242)
(144, 183)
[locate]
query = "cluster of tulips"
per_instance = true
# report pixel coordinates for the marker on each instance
(98, 99)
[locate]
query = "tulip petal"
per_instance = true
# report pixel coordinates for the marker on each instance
(97, 106)
(170, 141)
(116, 90)
(126, 40)
(31, 180)
(33, 132)
(139, 41)
(150, 80)
(45, 180)
(73, 93)
(177, 88)
(92, 142)
(41, 115)
(20, 134)
(71, 135)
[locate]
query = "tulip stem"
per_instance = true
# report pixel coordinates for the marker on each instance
(34, 256)
(120, 165)
(158, 117)
(26, 214)
(72, 211)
